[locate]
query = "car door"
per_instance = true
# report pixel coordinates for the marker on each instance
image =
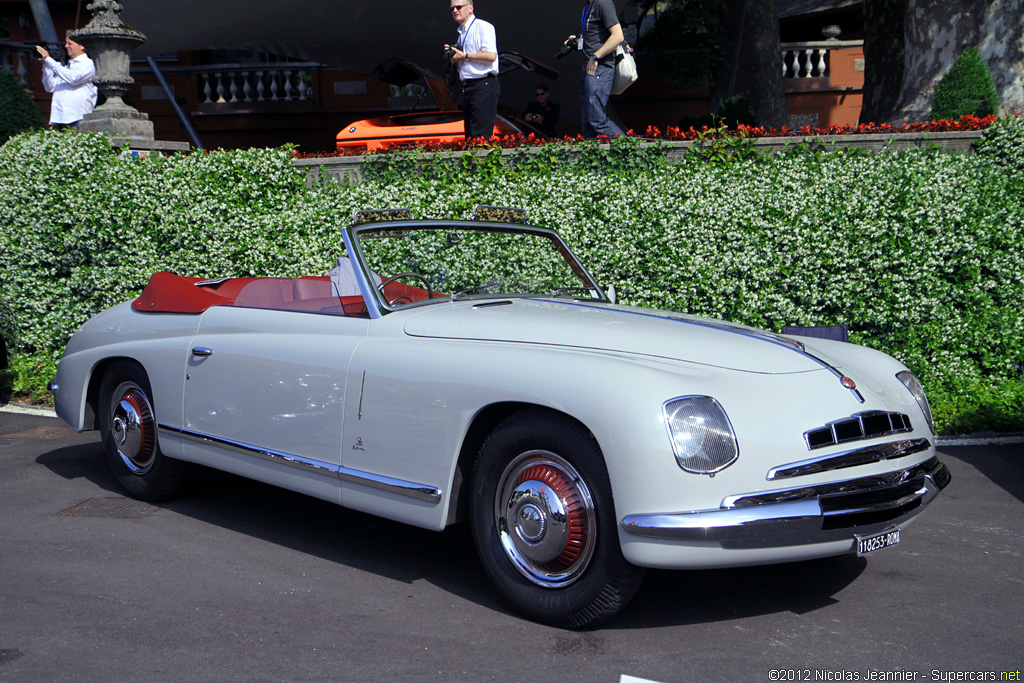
(265, 391)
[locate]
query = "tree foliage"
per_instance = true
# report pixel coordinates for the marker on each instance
(18, 113)
(967, 88)
(681, 42)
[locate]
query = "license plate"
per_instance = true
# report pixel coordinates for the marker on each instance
(876, 542)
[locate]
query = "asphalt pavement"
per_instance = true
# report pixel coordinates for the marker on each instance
(239, 581)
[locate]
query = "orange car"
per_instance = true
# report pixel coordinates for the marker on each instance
(444, 124)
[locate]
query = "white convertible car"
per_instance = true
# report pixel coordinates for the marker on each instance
(473, 370)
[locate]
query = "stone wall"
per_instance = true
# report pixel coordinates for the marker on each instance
(349, 170)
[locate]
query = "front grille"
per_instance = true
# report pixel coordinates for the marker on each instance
(867, 425)
(884, 504)
(847, 494)
(854, 458)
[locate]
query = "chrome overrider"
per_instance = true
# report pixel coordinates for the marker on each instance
(801, 516)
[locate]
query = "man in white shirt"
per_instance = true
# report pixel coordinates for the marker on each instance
(74, 94)
(476, 56)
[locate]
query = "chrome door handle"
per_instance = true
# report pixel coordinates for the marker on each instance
(201, 351)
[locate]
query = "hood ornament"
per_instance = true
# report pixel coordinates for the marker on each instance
(848, 383)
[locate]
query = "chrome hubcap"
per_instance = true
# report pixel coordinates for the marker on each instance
(132, 427)
(545, 519)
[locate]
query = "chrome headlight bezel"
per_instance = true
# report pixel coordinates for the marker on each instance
(913, 385)
(703, 440)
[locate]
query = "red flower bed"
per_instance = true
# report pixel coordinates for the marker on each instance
(967, 122)
(676, 134)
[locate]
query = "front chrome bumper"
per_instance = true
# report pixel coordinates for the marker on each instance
(805, 515)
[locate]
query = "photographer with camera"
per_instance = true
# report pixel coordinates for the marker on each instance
(74, 94)
(600, 33)
(542, 112)
(476, 57)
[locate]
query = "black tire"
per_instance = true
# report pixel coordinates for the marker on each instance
(128, 428)
(546, 468)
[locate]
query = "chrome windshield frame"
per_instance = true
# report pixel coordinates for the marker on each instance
(378, 307)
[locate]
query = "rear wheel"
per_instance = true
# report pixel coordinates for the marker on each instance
(128, 429)
(544, 522)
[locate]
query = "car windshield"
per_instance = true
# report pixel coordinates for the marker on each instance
(414, 263)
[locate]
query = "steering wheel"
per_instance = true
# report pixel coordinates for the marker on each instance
(393, 278)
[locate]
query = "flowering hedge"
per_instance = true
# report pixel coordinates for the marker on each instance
(917, 252)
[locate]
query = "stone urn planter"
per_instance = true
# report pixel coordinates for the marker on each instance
(110, 43)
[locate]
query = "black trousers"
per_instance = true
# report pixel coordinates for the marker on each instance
(480, 106)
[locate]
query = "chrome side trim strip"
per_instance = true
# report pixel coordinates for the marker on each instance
(306, 464)
(858, 456)
(408, 489)
(429, 494)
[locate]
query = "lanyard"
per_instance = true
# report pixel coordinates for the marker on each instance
(465, 36)
(584, 18)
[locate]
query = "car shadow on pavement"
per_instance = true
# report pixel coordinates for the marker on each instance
(673, 598)
(82, 460)
(362, 541)
(1002, 465)
(448, 560)
(308, 525)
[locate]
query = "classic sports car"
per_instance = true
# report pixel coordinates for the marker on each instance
(443, 123)
(474, 370)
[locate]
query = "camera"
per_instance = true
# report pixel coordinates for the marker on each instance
(56, 50)
(449, 52)
(566, 49)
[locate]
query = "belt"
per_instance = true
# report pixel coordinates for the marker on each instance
(466, 81)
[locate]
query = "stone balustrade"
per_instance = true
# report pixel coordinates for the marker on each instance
(17, 58)
(246, 83)
(812, 59)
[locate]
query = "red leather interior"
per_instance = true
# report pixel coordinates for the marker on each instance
(170, 293)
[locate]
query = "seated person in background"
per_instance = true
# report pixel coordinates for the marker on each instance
(542, 113)
(343, 279)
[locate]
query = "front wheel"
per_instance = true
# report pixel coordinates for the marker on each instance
(544, 522)
(128, 428)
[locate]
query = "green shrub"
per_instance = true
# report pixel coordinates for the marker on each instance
(18, 113)
(736, 111)
(967, 88)
(1003, 143)
(918, 253)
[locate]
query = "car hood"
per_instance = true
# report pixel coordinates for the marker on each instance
(608, 327)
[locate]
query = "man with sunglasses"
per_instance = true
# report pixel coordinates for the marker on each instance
(476, 57)
(542, 112)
